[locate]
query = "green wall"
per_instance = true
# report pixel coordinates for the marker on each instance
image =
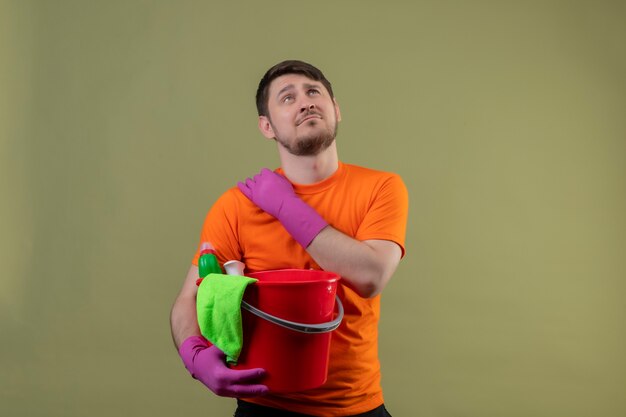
(122, 121)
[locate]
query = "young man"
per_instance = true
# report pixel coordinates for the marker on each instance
(313, 212)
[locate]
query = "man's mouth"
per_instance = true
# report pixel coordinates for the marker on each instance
(309, 117)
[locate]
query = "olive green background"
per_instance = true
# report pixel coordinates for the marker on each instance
(122, 121)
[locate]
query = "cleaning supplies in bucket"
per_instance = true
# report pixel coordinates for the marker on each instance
(218, 304)
(277, 320)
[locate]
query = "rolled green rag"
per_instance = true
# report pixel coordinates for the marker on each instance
(218, 305)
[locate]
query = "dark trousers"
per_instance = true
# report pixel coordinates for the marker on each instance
(246, 409)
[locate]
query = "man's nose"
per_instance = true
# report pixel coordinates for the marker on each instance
(307, 107)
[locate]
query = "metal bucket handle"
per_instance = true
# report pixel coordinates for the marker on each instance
(299, 327)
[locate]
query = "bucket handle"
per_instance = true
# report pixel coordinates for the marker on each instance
(299, 327)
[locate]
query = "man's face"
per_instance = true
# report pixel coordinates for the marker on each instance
(302, 116)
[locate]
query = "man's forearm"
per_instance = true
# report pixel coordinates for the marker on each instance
(183, 317)
(366, 266)
(183, 320)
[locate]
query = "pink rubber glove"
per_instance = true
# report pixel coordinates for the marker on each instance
(207, 364)
(274, 194)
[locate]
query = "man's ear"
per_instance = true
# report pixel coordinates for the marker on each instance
(266, 127)
(337, 111)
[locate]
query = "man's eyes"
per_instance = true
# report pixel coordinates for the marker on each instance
(290, 97)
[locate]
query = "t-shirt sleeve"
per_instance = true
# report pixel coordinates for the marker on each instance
(220, 228)
(387, 215)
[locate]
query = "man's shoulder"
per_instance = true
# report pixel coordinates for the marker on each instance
(232, 198)
(367, 173)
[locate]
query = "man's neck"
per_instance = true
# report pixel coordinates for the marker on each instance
(309, 169)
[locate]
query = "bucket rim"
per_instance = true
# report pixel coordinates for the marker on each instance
(331, 277)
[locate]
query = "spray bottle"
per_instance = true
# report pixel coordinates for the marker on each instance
(207, 263)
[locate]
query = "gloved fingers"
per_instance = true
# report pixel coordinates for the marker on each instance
(234, 383)
(249, 390)
(268, 175)
(238, 391)
(245, 189)
(248, 375)
(279, 182)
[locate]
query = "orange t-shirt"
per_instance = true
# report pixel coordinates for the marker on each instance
(363, 204)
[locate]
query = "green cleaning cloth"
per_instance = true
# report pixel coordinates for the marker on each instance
(218, 304)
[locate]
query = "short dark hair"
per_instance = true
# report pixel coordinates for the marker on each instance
(283, 68)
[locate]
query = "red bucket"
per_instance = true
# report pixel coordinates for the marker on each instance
(287, 323)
